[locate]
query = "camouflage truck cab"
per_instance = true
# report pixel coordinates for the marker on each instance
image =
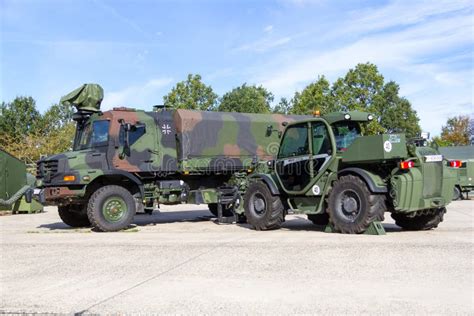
(128, 160)
(327, 169)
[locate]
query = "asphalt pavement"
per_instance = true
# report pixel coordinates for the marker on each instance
(180, 262)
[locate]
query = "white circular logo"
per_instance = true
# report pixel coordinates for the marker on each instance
(316, 190)
(387, 146)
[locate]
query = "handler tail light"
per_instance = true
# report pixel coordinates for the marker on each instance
(406, 165)
(69, 178)
(455, 163)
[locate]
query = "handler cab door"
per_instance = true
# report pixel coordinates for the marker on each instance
(306, 151)
(293, 162)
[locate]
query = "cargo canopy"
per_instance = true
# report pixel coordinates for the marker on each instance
(225, 135)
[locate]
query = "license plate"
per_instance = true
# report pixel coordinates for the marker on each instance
(433, 158)
(36, 191)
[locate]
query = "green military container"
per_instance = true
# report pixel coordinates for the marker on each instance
(465, 180)
(14, 185)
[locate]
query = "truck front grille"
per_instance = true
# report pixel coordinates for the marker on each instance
(44, 169)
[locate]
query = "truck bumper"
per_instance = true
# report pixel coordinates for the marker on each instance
(53, 195)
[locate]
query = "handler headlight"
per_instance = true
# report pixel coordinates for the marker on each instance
(370, 117)
(347, 116)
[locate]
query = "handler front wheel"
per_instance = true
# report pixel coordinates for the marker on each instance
(264, 211)
(352, 207)
(111, 208)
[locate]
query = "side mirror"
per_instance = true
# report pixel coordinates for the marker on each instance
(270, 131)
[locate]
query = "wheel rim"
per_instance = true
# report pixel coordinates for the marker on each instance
(114, 209)
(258, 204)
(349, 205)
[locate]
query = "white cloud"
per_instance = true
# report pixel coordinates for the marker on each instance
(408, 54)
(265, 44)
(268, 28)
(138, 96)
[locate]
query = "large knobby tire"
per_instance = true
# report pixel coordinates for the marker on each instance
(263, 210)
(74, 215)
(352, 207)
(319, 219)
(457, 194)
(420, 222)
(111, 208)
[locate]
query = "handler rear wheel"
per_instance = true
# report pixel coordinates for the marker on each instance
(420, 222)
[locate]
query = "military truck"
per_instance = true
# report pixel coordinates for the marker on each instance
(327, 169)
(126, 161)
(462, 156)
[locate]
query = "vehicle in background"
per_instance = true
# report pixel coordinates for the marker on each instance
(465, 157)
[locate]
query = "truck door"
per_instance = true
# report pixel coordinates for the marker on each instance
(293, 163)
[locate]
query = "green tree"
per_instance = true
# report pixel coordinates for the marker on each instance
(247, 99)
(456, 132)
(55, 118)
(316, 96)
(283, 107)
(191, 94)
(395, 113)
(18, 118)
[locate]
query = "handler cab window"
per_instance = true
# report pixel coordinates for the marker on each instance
(345, 134)
(295, 142)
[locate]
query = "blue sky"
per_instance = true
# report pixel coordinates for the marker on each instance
(137, 50)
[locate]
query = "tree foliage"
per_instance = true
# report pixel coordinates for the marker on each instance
(456, 132)
(26, 134)
(247, 99)
(361, 89)
(316, 95)
(191, 94)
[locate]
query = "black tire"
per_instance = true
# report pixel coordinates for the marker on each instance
(420, 222)
(103, 205)
(226, 211)
(352, 207)
(457, 194)
(319, 219)
(74, 215)
(263, 210)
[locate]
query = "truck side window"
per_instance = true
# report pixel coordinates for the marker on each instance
(295, 142)
(133, 135)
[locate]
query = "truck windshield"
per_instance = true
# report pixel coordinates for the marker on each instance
(92, 135)
(345, 134)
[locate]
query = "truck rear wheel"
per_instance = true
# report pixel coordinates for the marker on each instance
(263, 210)
(420, 222)
(457, 194)
(74, 215)
(352, 207)
(111, 208)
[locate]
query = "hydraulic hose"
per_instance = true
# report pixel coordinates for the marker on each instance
(15, 197)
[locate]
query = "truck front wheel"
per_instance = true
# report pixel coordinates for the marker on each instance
(263, 210)
(420, 222)
(111, 208)
(74, 215)
(352, 207)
